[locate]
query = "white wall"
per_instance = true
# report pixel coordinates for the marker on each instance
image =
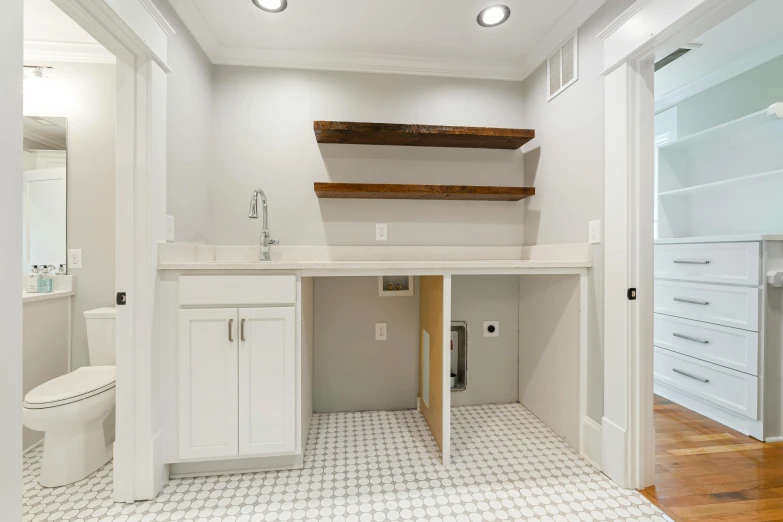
(263, 137)
(189, 135)
(85, 94)
(565, 162)
(11, 258)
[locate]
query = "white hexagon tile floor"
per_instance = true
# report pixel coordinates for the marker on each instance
(378, 466)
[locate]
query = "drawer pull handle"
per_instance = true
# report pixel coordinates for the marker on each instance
(690, 375)
(230, 330)
(691, 301)
(242, 330)
(689, 338)
(692, 261)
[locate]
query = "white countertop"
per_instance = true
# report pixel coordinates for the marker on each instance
(375, 259)
(720, 239)
(57, 294)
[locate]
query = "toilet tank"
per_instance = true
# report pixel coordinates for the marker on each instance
(100, 335)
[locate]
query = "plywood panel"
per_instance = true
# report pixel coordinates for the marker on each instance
(434, 317)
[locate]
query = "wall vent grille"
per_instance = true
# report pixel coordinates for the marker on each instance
(563, 66)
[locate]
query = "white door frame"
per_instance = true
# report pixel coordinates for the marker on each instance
(137, 34)
(646, 30)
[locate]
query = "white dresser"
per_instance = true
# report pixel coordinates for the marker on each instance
(719, 329)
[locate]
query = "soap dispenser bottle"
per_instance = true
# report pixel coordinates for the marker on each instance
(44, 281)
(31, 285)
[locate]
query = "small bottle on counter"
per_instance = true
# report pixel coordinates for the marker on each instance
(31, 285)
(45, 282)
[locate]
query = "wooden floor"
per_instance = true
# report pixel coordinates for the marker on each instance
(705, 471)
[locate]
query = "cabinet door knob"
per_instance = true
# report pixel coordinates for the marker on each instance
(230, 330)
(242, 330)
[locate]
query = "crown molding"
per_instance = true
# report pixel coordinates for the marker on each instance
(43, 139)
(40, 51)
(161, 20)
(559, 34)
(620, 20)
(735, 68)
(222, 54)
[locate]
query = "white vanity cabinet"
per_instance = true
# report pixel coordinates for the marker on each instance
(236, 366)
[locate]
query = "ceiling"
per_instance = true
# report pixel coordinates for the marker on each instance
(743, 41)
(51, 35)
(52, 136)
(432, 37)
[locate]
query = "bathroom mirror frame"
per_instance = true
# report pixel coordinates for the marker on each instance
(45, 169)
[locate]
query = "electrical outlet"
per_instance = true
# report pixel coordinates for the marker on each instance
(491, 328)
(170, 224)
(594, 231)
(75, 258)
(380, 331)
(381, 232)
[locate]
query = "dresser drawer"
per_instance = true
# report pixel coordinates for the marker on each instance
(732, 263)
(729, 389)
(734, 306)
(731, 347)
(237, 290)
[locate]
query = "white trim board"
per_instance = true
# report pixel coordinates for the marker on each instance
(507, 70)
(729, 71)
(41, 51)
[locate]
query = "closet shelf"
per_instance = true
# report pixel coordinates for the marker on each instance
(728, 183)
(747, 127)
(434, 192)
(345, 132)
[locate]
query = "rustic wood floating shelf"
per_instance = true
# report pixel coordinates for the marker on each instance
(453, 192)
(346, 132)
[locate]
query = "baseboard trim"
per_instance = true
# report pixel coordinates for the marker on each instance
(591, 442)
(235, 466)
(773, 439)
(614, 451)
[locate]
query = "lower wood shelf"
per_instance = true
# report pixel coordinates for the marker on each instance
(396, 191)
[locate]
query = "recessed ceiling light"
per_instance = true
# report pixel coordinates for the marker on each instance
(493, 15)
(271, 6)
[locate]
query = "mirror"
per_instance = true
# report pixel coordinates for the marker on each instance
(44, 192)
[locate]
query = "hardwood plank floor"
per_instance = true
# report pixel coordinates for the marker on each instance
(705, 471)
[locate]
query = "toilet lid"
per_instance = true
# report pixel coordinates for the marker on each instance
(71, 387)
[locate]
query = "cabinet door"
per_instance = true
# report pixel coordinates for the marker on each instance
(267, 381)
(207, 383)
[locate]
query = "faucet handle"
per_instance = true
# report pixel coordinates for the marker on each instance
(274, 241)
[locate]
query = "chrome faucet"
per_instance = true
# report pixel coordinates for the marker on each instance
(266, 241)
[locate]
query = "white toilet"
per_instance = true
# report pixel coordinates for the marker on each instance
(71, 409)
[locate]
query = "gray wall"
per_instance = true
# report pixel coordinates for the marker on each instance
(263, 137)
(352, 371)
(747, 93)
(492, 361)
(86, 96)
(189, 133)
(565, 162)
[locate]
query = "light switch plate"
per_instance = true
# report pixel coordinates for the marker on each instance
(594, 232)
(170, 224)
(75, 258)
(380, 331)
(381, 232)
(491, 328)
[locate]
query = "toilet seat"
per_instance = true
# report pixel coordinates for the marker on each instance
(78, 385)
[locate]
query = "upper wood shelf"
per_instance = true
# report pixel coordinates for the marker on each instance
(347, 132)
(448, 192)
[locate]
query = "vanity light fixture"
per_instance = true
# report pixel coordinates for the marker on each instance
(493, 16)
(271, 6)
